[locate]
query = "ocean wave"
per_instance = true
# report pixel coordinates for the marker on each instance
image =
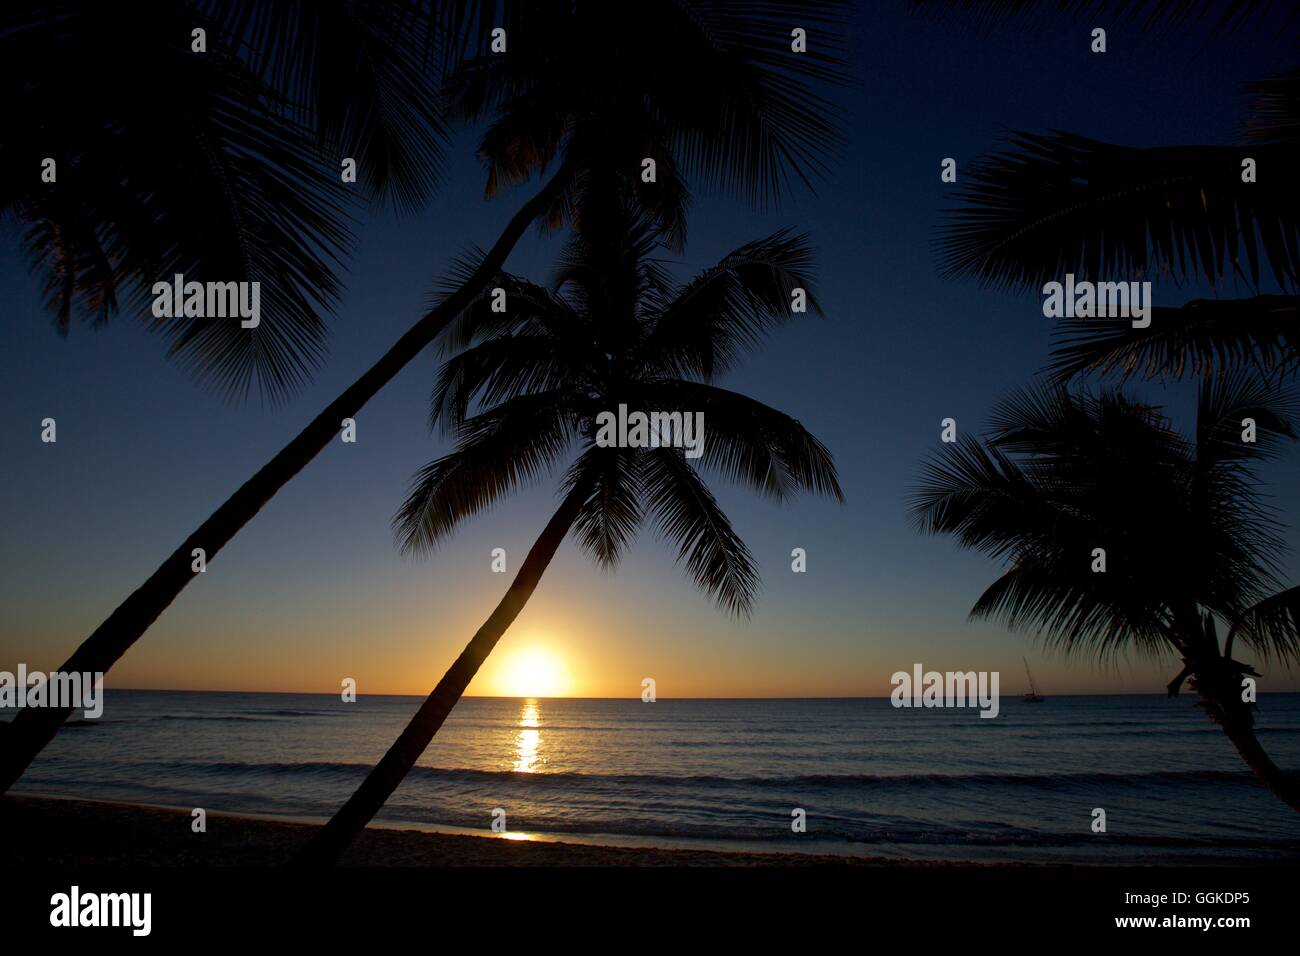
(773, 829)
(562, 779)
(252, 716)
(218, 718)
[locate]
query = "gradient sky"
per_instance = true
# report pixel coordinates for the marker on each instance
(314, 590)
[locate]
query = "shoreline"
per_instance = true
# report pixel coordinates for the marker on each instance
(45, 831)
(61, 830)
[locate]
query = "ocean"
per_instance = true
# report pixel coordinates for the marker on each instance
(872, 780)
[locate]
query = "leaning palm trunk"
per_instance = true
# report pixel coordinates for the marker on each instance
(331, 840)
(33, 728)
(1219, 688)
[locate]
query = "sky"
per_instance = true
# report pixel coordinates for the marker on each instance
(314, 591)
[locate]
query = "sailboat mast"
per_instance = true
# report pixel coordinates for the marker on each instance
(1032, 689)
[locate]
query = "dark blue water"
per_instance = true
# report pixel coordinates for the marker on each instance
(872, 780)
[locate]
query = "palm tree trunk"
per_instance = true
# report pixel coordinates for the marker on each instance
(1284, 786)
(33, 728)
(1220, 693)
(328, 844)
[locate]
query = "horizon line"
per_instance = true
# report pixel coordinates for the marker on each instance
(309, 693)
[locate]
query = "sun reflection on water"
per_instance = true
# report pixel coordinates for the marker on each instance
(529, 740)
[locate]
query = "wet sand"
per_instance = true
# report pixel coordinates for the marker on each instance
(39, 831)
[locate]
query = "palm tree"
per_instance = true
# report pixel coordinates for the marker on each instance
(1059, 202)
(709, 87)
(1187, 539)
(221, 165)
(612, 330)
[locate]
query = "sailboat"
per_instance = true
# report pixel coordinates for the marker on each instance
(1032, 697)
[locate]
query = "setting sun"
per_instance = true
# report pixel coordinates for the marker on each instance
(532, 672)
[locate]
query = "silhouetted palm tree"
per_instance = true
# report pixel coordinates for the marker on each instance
(713, 90)
(223, 165)
(1060, 202)
(612, 330)
(1187, 539)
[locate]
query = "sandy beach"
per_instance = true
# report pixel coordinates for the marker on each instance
(58, 832)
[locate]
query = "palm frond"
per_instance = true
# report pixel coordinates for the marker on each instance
(979, 496)
(499, 370)
(733, 106)
(686, 512)
(1224, 403)
(752, 119)
(750, 443)
(612, 513)
(501, 450)
(363, 75)
(726, 310)
(1204, 336)
(608, 270)
(529, 307)
(1272, 627)
(1061, 203)
(1181, 523)
(1275, 112)
(227, 188)
(1063, 607)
